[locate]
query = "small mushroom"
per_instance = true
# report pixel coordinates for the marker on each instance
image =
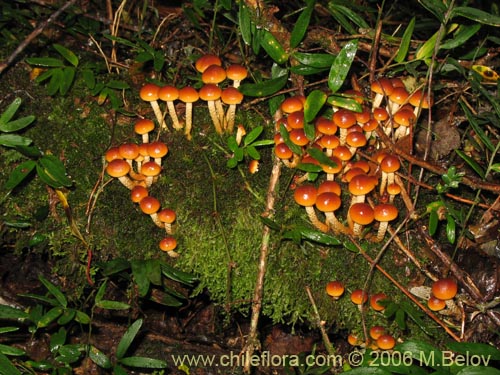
(169, 94)
(149, 93)
(119, 168)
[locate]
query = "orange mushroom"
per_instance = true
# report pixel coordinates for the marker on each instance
(360, 214)
(188, 95)
(444, 289)
(232, 97)
(168, 245)
(305, 195)
(236, 73)
(119, 168)
(150, 206)
(383, 213)
(335, 289)
(143, 127)
(169, 94)
(386, 342)
(149, 93)
(210, 93)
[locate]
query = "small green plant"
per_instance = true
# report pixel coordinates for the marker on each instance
(120, 359)
(48, 167)
(246, 148)
(59, 74)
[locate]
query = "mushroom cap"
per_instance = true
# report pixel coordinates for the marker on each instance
(292, 104)
(361, 164)
(445, 288)
(295, 120)
(382, 86)
(419, 98)
(361, 213)
(129, 151)
(325, 126)
(167, 215)
(332, 169)
(353, 339)
(376, 332)
(405, 117)
(118, 168)
(112, 153)
(328, 202)
(207, 60)
(380, 114)
(157, 149)
(390, 163)
(359, 296)
(188, 94)
(210, 92)
(386, 342)
(305, 195)
(282, 151)
(399, 95)
(236, 72)
(393, 189)
(329, 141)
(361, 184)
(355, 94)
(149, 205)
(329, 186)
(335, 288)
(298, 137)
(231, 96)
(343, 153)
(168, 244)
(137, 193)
(213, 74)
(353, 171)
(144, 126)
(374, 301)
(356, 139)
(364, 116)
(385, 212)
(370, 125)
(149, 92)
(435, 304)
(168, 93)
(344, 118)
(150, 169)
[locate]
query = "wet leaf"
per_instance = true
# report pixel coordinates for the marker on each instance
(264, 88)
(67, 54)
(127, 338)
(143, 362)
(14, 140)
(19, 174)
(7, 367)
(405, 42)
(55, 291)
(341, 66)
(253, 135)
(472, 163)
(300, 27)
(314, 102)
(99, 358)
(52, 171)
(476, 15)
(314, 60)
(450, 229)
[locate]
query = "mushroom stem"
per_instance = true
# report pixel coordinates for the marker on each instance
(158, 114)
(311, 213)
(230, 115)
(173, 115)
(215, 117)
(189, 120)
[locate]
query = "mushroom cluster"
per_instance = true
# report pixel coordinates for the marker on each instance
(138, 166)
(219, 89)
(364, 182)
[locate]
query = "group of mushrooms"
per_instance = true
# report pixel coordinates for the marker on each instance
(137, 167)
(342, 137)
(219, 90)
(440, 297)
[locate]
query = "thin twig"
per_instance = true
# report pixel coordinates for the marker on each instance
(38, 30)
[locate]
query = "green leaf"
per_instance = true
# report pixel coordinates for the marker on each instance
(435, 7)
(343, 15)
(127, 338)
(140, 276)
(286, 138)
(304, 70)
(264, 88)
(472, 163)
(8, 329)
(232, 144)
(47, 62)
(19, 174)
(158, 61)
(420, 350)
(315, 60)
(405, 42)
(321, 157)
(50, 316)
(177, 275)
(10, 350)
(433, 222)
(231, 163)
(426, 50)
(114, 266)
(153, 270)
(462, 35)
(342, 101)
(16, 125)
(450, 229)
(314, 102)
(14, 140)
(57, 340)
(55, 291)
(68, 76)
(67, 54)
(478, 370)
(475, 349)
(244, 23)
(43, 365)
(301, 25)
(9, 112)
(476, 15)
(312, 235)
(56, 78)
(143, 362)
(117, 85)
(99, 358)
(6, 366)
(66, 317)
(341, 66)
(89, 78)
(253, 153)
(82, 317)
(112, 305)
(52, 171)
(263, 142)
(477, 128)
(253, 135)
(273, 47)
